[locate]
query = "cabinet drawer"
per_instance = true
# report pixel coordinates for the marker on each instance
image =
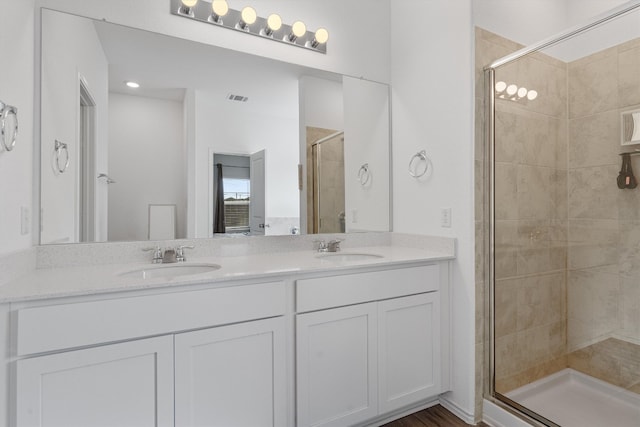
(335, 291)
(49, 328)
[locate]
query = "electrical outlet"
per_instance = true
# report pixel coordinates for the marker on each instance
(445, 217)
(25, 220)
(354, 216)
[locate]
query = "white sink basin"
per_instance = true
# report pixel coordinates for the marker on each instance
(347, 256)
(169, 271)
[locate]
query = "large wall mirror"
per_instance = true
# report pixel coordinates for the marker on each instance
(211, 142)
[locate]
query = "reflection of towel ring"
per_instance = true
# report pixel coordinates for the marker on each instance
(59, 148)
(364, 174)
(422, 156)
(5, 112)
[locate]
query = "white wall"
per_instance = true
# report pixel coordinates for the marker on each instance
(366, 141)
(146, 158)
(322, 104)
(352, 49)
(72, 49)
(229, 127)
(432, 110)
(16, 88)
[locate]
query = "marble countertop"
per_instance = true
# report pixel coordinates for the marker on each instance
(44, 283)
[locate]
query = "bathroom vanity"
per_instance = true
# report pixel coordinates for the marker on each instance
(280, 339)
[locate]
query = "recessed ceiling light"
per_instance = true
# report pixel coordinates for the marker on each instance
(132, 85)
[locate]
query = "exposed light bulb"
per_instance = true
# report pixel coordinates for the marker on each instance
(132, 85)
(321, 37)
(274, 23)
(189, 3)
(500, 87)
(512, 89)
(532, 95)
(522, 92)
(186, 7)
(298, 29)
(248, 16)
(220, 7)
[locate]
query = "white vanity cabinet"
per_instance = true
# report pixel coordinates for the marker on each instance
(226, 369)
(127, 384)
(378, 351)
(232, 376)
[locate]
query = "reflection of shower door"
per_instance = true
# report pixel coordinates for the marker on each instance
(328, 186)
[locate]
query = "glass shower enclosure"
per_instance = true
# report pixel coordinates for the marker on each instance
(563, 143)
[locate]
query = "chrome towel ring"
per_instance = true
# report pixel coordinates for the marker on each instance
(364, 174)
(414, 169)
(8, 131)
(59, 148)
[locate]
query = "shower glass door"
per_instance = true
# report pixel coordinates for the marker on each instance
(565, 287)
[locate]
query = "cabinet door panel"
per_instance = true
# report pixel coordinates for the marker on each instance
(232, 376)
(336, 366)
(128, 384)
(409, 338)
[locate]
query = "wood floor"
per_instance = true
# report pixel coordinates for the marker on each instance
(436, 416)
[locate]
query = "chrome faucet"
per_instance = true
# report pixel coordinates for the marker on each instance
(169, 255)
(331, 246)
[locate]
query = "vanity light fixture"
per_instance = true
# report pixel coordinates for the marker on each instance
(248, 17)
(274, 23)
(248, 21)
(132, 85)
(298, 29)
(219, 8)
(186, 7)
(321, 37)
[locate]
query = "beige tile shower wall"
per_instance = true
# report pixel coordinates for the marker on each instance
(604, 222)
(531, 216)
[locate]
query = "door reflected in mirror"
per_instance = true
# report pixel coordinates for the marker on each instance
(143, 115)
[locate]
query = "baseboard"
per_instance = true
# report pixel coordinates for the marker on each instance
(457, 411)
(401, 414)
(495, 416)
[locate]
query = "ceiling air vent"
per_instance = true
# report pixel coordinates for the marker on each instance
(239, 98)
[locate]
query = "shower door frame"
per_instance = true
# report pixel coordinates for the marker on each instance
(489, 392)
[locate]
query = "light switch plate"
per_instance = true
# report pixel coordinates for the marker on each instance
(445, 217)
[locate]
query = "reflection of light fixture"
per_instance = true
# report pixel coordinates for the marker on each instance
(247, 20)
(512, 92)
(132, 85)
(274, 23)
(186, 8)
(248, 17)
(219, 8)
(321, 37)
(298, 29)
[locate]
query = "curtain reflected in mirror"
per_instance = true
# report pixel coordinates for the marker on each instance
(218, 223)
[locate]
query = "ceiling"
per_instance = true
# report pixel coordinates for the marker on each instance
(166, 66)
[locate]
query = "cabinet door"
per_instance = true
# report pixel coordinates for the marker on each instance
(232, 376)
(336, 366)
(409, 342)
(128, 384)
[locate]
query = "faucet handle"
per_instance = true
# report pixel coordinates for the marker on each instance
(321, 245)
(334, 245)
(157, 253)
(180, 252)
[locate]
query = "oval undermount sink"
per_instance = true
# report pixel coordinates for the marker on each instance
(347, 256)
(169, 271)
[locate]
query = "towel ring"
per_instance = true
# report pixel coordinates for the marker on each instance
(59, 148)
(364, 174)
(5, 112)
(421, 156)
